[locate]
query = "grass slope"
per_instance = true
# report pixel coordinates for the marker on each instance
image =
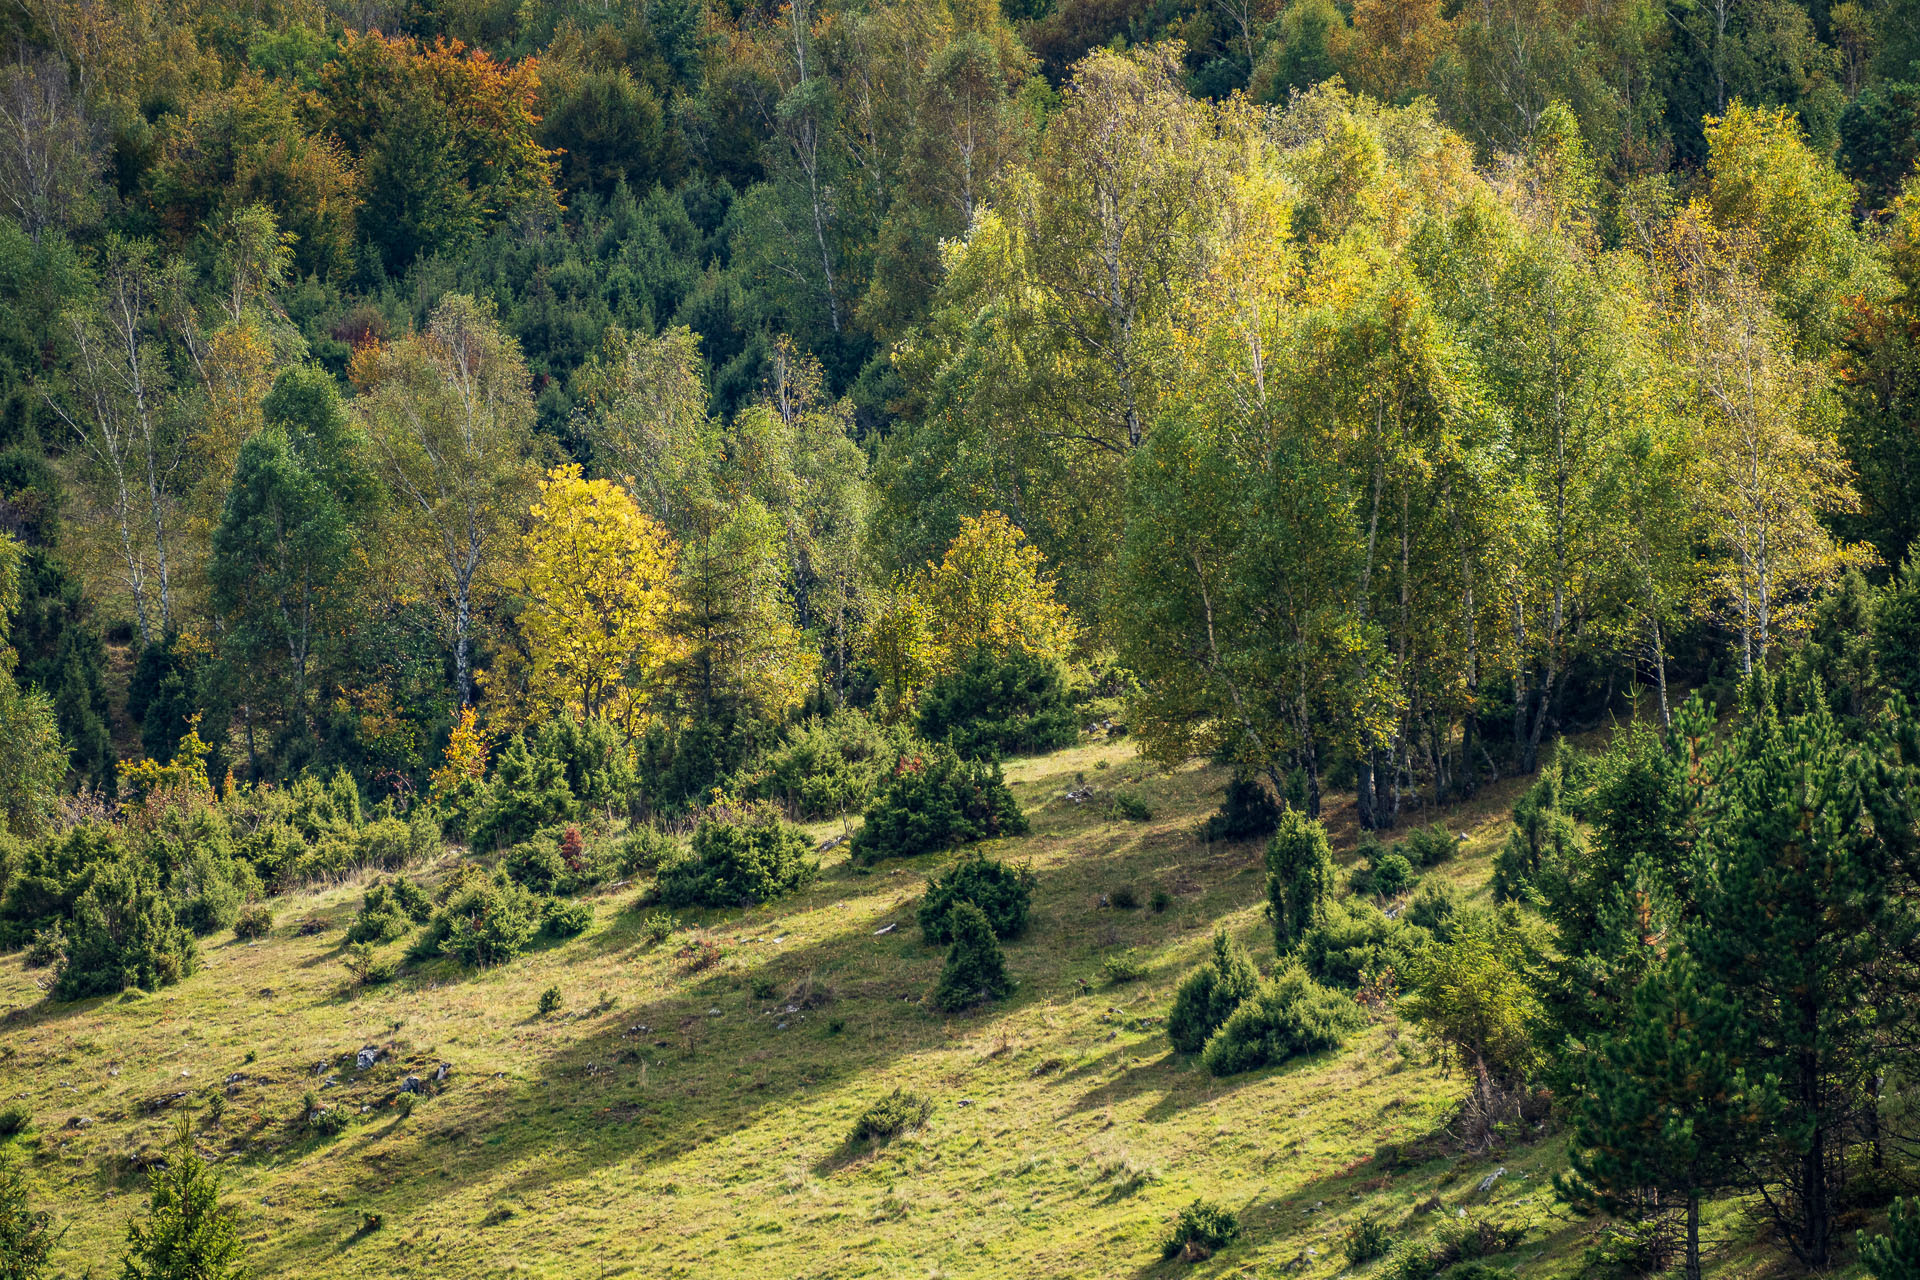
(676, 1123)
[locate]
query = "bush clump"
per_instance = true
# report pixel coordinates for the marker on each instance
(550, 1001)
(1002, 893)
(124, 934)
(563, 769)
(1366, 1240)
(645, 850)
(936, 800)
(739, 863)
(1355, 940)
(1247, 811)
(558, 861)
(487, 920)
(389, 910)
(995, 705)
(1210, 994)
(1457, 1247)
(1385, 874)
(367, 968)
(1288, 1016)
(563, 918)
(1202, 1228)
(826, 767)
(1429, 846)
(890, 1117)
(976, 971)
(255, 921)
(1131, 806)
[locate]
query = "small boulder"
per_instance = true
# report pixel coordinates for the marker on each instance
(410, 1085)
(365, 1058)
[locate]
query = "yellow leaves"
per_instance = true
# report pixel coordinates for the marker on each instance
(990, 590)
(597, 576)
(465, 760)
(182, 779)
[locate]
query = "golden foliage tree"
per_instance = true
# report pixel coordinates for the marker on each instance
(598, 580)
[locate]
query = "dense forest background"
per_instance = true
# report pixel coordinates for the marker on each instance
(1384, 385)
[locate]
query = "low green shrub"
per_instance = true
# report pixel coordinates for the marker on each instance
(1160, 901)
(124, 934)
(1385, 874)
(1125, 967)
(976, 971)
(1247, 811)
(645, 850)
(1366, 1240)
(565, 918)
(1433, 907)
(826, 767)
(936, 800)
(1202, 1229)
(994, 705)
(1356, 939)
(47, 948)
(658, 925)
(1288, 1016)
(550, 1001)
(1131, 806)
(255, 921)
(1123, 898)
(1004, 893)
(319, 1118)
(1429, 846)
(559, 861)
(1457, 1249)
(14, 1121)
(1209, 995)
(736, 864)
(367, 968)
(487, 920)
(388, 910)
(890, 1117)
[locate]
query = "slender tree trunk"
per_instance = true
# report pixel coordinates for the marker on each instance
(1693, 1235)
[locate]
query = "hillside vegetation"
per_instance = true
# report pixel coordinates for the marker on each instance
(668, 1121)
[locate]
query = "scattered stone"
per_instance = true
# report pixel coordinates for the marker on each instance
(365, 1058)
(80, 1122)
(410, 1085)
(1486, 1183)
(779, 1026)
(441, 1074)
(964, 1102)
(832, 842)
(713, 1013)
(886, 929)
(235, 1078)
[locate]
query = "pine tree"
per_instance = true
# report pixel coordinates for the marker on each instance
(1300, 878)
(1660, 1113)
(1210, 994)
(976, 971)
(26, 1237)
(1797, 916)
(186, 1235)
(1895, 1255)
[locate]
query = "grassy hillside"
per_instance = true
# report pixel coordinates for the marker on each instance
(669, 1122)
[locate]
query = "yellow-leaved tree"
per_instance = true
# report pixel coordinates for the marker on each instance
(990, 591)
(598, 578)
